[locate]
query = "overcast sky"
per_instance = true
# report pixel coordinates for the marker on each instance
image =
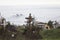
(28, 2)
(42, 10)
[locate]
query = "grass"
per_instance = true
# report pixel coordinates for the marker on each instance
(51, 34)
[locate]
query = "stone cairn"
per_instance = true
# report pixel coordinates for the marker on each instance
(32, 31)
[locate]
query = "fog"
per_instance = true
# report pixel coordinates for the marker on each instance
(42, 13)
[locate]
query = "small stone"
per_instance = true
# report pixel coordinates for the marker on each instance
(12, 35)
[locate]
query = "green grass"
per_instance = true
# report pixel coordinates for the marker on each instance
(51, 34)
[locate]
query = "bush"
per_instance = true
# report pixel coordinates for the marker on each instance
(58, 27)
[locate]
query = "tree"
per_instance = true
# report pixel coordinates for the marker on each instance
(50, 24)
